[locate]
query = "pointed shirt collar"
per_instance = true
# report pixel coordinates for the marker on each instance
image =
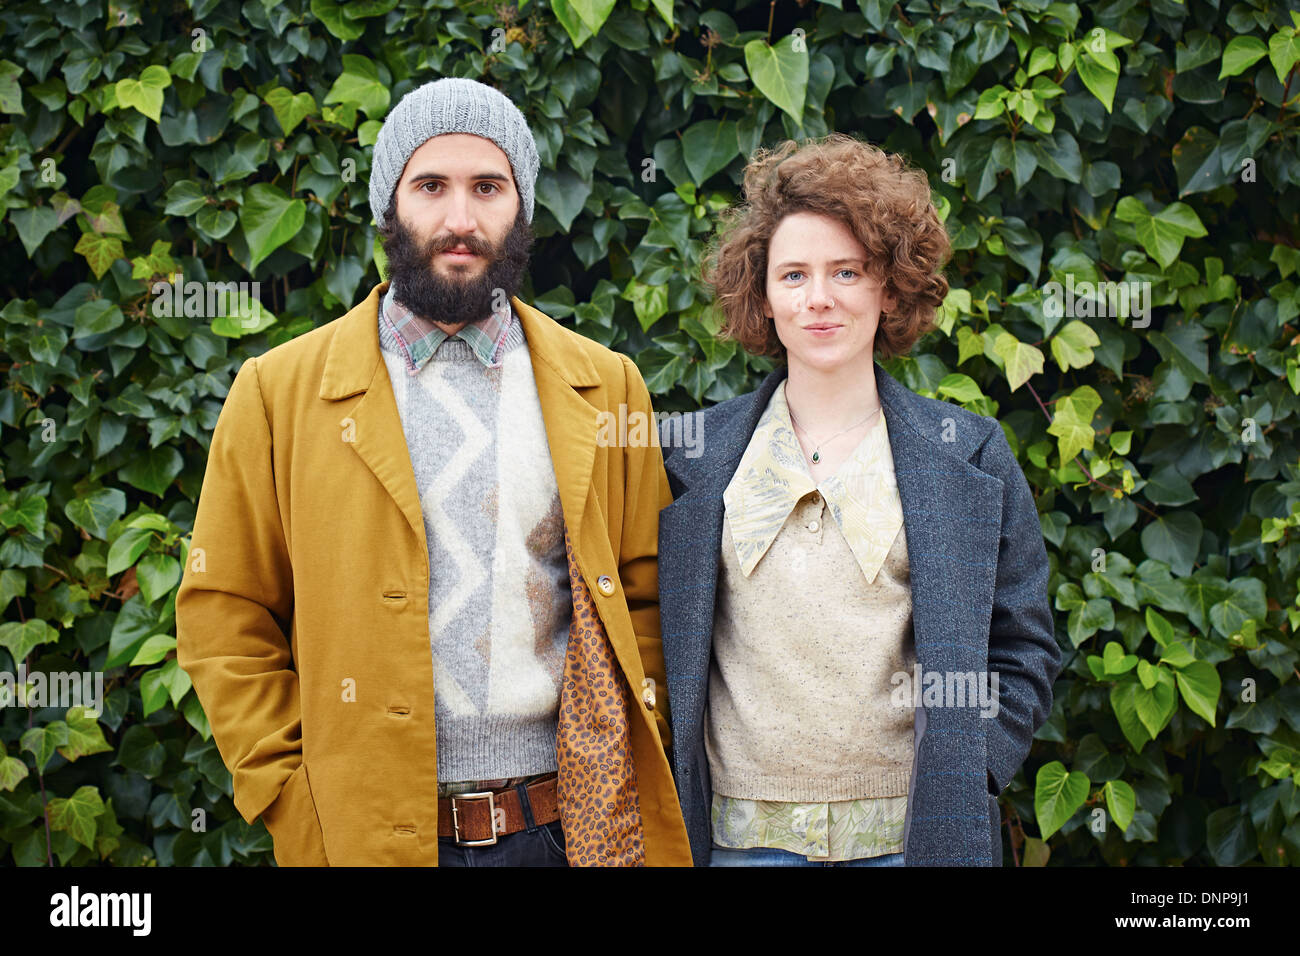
(417, 338)
(773, 476)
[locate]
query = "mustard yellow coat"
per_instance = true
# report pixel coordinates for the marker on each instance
(302, 616)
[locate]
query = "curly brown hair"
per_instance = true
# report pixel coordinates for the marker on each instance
(877, 195)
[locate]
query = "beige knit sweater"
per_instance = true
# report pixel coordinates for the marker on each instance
(799, 705)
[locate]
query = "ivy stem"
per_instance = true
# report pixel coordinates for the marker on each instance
(40, 776)
(67, 139)
(1281, 110)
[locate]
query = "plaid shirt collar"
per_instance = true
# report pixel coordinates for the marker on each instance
(418, 338)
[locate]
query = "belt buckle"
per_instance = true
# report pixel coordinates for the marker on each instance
(492, 815)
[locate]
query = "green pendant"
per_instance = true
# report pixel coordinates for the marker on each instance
(816, 457)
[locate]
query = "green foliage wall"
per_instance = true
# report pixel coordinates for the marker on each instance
(1143, 141)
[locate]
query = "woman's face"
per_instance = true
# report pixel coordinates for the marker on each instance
(825, 306)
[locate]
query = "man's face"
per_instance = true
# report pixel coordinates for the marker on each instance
(459, 242)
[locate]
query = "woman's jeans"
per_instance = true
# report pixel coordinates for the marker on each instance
(765, 856)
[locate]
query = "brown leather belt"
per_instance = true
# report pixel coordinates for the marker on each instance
(478, 819)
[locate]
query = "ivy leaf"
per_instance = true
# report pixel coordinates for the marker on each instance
(1072, 422)
(33, 225)
(564, 193)
(85, 736)
(1199, 684)
(330, 13)
(360, 86)
(269, 219)
(1097, 76)
(95, 317)
(157, 575)
(153, 650)
(214, 222)
(1198, 161)
(42, 742)
(650, 302)
(290, 109)
(1123, 702)
(1174, 539)
(708, 148)
(100, 252)
(1072, 346)
(1241, 53)
(573, 24)
(1057, 796)
(780, 74)
(1121, 801)
(1022, 361)
(175, 680)
(1156, 705)
(12, 772)
(1177, 655)
(21, 638)
(76, 815)
(1229, 836)
(146, 93)
(1115, 661)
(153, 692)
(593, 13)
(11, 94)
(1283, 52)
(665, 9)
(959, 386)
(1162, 234)
(96, 511)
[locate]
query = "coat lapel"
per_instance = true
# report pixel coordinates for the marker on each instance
(945, 504)
(687, 601)
(355, 364)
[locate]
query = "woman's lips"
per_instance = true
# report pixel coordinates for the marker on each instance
(823, 331)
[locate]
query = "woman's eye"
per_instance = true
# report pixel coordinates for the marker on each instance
(840, 272)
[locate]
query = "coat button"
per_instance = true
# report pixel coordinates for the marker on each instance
(606, 584)
(648, 693)
(813, 525)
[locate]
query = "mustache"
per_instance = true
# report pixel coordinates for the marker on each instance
(474, 244)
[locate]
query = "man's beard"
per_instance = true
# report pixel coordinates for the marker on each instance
(439, 298)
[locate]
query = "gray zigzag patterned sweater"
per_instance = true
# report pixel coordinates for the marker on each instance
(499, 599)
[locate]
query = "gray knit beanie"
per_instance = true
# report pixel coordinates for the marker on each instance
(451, 105)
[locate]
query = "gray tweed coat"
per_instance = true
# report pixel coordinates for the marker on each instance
(979, 603)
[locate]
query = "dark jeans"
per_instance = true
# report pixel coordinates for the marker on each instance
(541, 846)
